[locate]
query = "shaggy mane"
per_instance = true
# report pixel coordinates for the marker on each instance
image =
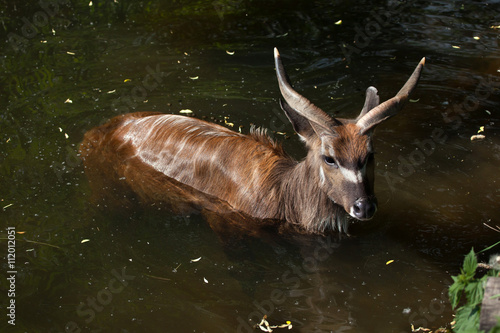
(260, 135)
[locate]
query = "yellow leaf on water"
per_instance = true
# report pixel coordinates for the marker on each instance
(195, 260)
(230, 52)
(186, 111)
(9, 205)
(20, 232)
(455, 46)
(389, 262)
(85, 241)
(339, 22)
(127, 80)
(478, 137)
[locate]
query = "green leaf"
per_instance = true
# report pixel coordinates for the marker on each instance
(495, 296)
(470, 264)
(455, 291)
(489, 247)
(467, 319)
(474, 292)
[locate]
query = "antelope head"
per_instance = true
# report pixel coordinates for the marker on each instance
(340, 153)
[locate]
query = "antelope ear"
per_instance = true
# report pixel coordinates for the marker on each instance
(307, 130)
(372, 100)
(309, 121)
(300, 124)
(296, 101)
(367, 121)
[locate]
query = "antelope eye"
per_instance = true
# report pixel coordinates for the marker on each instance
(330, 161)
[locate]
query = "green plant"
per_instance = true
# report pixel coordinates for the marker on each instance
(467, 315)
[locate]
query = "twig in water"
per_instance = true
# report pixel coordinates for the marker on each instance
(34, 242)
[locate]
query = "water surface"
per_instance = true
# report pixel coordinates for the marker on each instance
(70, 67)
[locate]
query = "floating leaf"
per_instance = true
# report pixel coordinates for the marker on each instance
(389, 262)
(195, 260)
(477, 38)
(414, 100)
(481, 129)
(455, 46)
(265, 327)
(230, 53)
(477, 137)
(85, 241)
(205, 280)
(9, 205)
(70, 53)
(68, 101)
(194, 77)
(339, 22)
(127, 80)
(227, 122)
(20, 232)
(111, 92)
(186, 111)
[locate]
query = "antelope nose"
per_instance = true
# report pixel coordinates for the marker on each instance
(364, 209)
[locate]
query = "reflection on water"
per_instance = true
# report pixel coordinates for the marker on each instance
(81, 64)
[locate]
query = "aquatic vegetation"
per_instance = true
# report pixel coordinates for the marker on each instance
(473, 287)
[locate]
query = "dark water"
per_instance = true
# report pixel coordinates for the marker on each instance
(69, 66)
